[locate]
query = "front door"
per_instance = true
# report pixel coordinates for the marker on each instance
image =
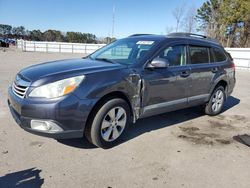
(167, 89)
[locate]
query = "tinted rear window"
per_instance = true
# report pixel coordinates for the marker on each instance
(199, 54)
(219, 55)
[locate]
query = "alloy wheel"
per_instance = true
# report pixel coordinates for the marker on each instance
(113, 124)
(217, 101)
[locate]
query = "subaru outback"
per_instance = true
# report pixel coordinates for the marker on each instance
(143, 75)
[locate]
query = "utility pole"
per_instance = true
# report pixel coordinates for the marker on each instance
(113, 22)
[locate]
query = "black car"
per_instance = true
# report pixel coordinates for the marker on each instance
(136, 77)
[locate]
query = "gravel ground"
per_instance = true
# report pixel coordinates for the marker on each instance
(178, 149)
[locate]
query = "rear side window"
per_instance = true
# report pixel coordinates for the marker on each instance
(199, 54)
(219, 55)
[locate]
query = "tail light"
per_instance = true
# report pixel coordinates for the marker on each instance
(232, 61)
(233, 65)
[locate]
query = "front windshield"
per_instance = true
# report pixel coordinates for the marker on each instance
(124, 51)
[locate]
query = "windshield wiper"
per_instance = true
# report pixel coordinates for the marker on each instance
(105, 59)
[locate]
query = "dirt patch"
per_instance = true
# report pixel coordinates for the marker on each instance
(239, 118)
(189, 129)
(223, 141)
(193, 131)
(197, 139)
(221, 124)
(193, 135)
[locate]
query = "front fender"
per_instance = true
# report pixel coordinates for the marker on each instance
(98, 85)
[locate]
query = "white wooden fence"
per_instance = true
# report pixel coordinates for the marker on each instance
(64, 47)
(241, 56)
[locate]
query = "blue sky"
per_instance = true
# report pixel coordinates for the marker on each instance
(93, 16)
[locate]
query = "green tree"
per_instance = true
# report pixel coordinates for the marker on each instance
(19, 32)
(236, 14)
(36, 35)
(5, 30)
(77, 37)
(226, 20)
(208, 16)
(53, 35)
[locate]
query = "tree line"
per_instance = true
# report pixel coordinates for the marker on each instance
(228, 21)
(20, 32)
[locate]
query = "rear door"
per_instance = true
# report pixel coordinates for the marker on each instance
(203, 71)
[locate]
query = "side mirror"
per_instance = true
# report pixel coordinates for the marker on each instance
(158, 63)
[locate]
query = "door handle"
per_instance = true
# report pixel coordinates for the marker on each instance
(214, 70)
(185, 73)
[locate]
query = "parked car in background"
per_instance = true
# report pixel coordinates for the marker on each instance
(140, 76)
(6, 42)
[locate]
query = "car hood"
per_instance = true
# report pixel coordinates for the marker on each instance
(69, 67)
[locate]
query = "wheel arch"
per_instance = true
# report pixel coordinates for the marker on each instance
(103, 99)
(222, 83)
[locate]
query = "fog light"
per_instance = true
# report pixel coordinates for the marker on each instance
(46, 126)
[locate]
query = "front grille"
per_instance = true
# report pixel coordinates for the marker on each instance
(20, 91)
(20, 86)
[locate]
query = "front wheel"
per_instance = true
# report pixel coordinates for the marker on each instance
(216, 102)
(109, 123)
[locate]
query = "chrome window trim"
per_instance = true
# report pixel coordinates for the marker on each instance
(164, 104)
(174, 102)
(197, 97)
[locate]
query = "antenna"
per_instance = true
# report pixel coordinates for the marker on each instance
(113, 22)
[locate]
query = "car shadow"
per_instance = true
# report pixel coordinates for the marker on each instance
(81, 143)
(230, 103)
(153, 123)
(22, 179)
(172, 118)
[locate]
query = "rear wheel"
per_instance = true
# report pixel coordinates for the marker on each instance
(216, 102)
(109, 123)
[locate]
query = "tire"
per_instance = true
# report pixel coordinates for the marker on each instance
(108, 123)
(216, 102)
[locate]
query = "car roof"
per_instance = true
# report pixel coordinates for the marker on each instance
(178, 36)
(148, 36)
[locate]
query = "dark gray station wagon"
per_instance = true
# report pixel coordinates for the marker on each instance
(136, 77)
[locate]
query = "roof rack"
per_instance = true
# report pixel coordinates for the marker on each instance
(135, 35)
(182, 34)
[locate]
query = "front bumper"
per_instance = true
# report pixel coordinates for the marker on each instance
(68, 112)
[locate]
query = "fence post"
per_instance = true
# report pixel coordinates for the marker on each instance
(22, 43)
(25, 46)
(60, 47)
(34, 46)
(85, 49)
(72, 48)
(47, 47)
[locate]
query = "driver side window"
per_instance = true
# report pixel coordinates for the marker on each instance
(176, 55)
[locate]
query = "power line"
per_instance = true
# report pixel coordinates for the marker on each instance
(113, 22)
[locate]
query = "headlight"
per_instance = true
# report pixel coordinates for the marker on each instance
(58, 88)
